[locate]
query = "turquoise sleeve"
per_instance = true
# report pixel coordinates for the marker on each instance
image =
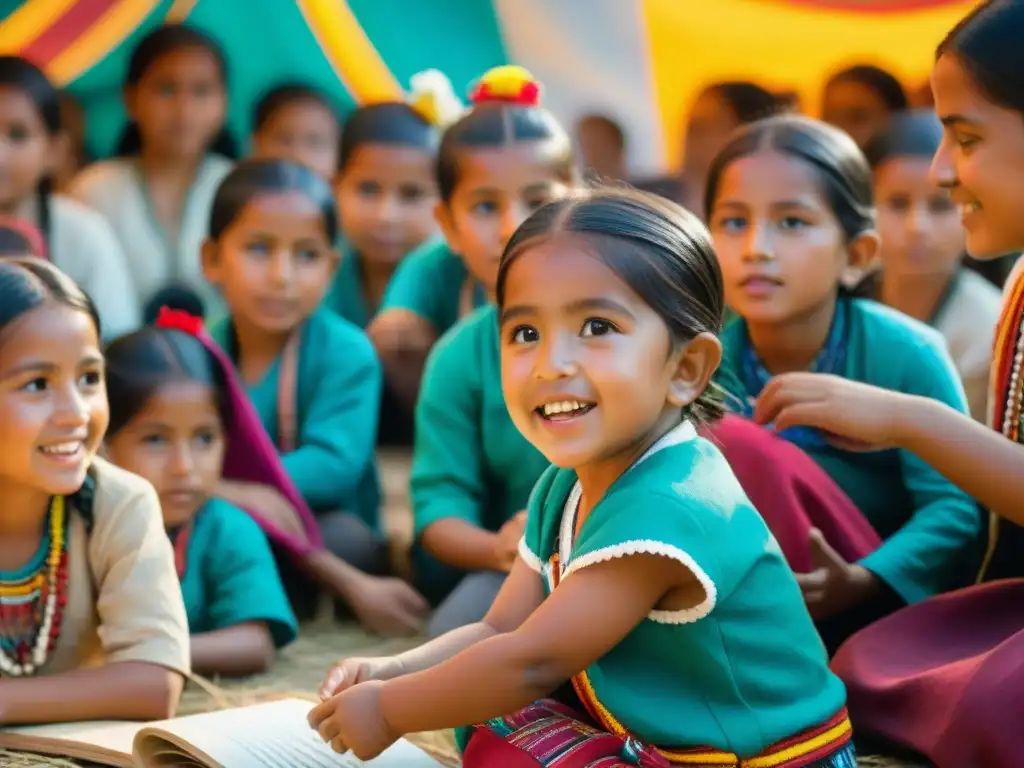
(925, 556)
(418, 286)
(531, 550)
(339, 431)
(447, 474)
(244, 583)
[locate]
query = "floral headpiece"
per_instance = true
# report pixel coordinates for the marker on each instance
(432, 97)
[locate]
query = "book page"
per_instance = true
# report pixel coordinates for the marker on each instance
(105, 742)
(271, 735)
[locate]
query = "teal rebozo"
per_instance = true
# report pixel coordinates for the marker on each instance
(313, 378)
(642, 562)
(472, 469)
(790, 203)
(170, 423)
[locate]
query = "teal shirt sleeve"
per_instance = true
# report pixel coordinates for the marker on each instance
(532, 548)
(447, 471)
(924, 557)
(243, 581)
(339, 429)
(427, 283)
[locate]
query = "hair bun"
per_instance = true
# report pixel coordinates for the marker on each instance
(509, 84)
(432, 97)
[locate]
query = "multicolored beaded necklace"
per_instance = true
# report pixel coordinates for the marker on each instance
(32, 601)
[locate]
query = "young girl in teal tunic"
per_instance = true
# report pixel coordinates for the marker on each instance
(472, 470)
(645, 576)
(169, 423)
(313, 378)
(443, 281)
(791, 207)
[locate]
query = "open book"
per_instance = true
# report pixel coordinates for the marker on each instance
(271, 735)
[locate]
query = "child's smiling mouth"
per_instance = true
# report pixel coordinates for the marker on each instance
(564, 410)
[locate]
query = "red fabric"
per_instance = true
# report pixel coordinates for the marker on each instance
(29, 231)
(792, 493)
(944, 677)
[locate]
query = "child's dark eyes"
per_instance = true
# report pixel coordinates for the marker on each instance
(153, 439)
(730, 223)
(308, 254)
(899, 203)
(411, 194)
(790, 223)
(206, 438)
(596, 326)
(368, 188)
(91, 379)
(524, 334)
(484, 207)
(261, 247)
(36, 385)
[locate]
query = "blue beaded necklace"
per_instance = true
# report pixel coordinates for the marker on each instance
(830, 359)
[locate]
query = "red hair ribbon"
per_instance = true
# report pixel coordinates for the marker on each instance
(177, 320)
(509, 84)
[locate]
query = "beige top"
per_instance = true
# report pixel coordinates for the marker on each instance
(124, 599)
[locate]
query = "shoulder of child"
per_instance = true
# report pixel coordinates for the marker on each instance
(100, 179)
(330, 331)
(81, 221)
(981, 296)
(463, 343)
(227, 522)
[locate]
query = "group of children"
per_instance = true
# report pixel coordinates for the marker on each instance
(736, 500)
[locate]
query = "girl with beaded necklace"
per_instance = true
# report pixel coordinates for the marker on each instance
(943, 678)
(92, 625)
(645, 575)
(791, 208)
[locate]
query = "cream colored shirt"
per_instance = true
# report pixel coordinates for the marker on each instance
(124, 598)
(82, 244)
(116, 189)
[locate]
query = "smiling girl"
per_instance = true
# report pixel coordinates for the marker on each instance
(92, 625)
(609, 306)
(791, 208)
(943, 678)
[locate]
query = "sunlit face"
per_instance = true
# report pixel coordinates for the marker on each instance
(918, 223)
(855, 108)
(781, 249)
(304, 132)
(27, 150)
(274, 263)
(497, 190)
(53, 403)
(711, 121)
(587, 367)
(176, 442)
(980, 161)
(180, 102)
(386, 197)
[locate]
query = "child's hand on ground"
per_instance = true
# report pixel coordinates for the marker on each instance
(266, 502)
(349, 672)
(353, 720)
(506, 543)
(389, 606)
(834, 585)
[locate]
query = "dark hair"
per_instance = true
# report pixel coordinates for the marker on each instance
(285, 95)
(495, 124)
(139, 363)
(18, 73)
(747, 100)
(261, 176)
(27, 283)
(909, 134)
(388, 122)
(608, 124)
(883, 84)
(658, 248)
(987, 44)
(157, 44)
(836, 160)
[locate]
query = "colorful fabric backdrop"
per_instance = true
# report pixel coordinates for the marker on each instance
(641, 61)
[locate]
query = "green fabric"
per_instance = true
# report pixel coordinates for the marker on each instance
(231, 577)
(271, 42)
(345, 295)
(337, 409)
(928, 525)
(469, 459)
(429, 283)
(746, 666)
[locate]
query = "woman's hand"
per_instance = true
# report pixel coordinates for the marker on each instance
(854, 416)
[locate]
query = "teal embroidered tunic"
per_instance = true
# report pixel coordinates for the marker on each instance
(429, 282)
(469, 459)
(230, 575)
(738, 672)
(337, 408)
(926, 522)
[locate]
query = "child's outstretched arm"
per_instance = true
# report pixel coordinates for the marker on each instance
(980, 461)
(506, 672)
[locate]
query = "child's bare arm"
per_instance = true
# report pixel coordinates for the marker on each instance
(608, 599)
(236, 651)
